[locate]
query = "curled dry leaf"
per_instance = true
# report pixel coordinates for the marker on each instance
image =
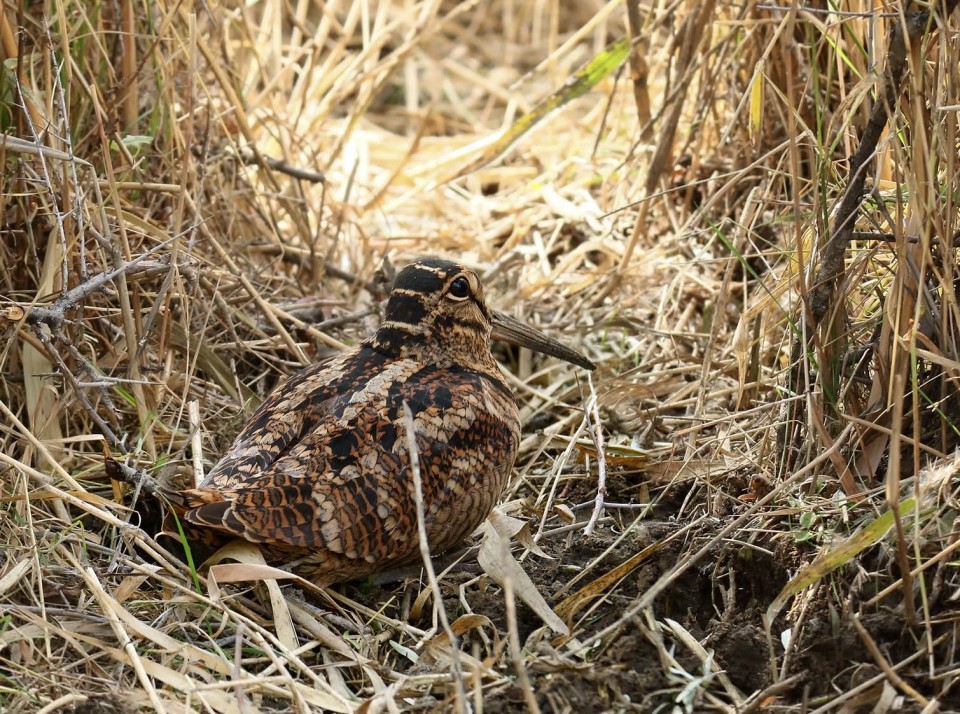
(252, 567)
(437, 648)
(509, 527)
(497, 562)
(11, 313)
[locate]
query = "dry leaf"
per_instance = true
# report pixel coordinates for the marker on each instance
(437, 648)
(252, 567)
(497, 562)
(14, 575)
(574, 603)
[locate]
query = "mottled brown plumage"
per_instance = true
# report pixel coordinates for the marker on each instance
(320, 475)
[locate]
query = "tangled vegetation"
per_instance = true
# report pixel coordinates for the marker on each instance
(746, 214)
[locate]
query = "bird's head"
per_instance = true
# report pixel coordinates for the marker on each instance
(436, 312)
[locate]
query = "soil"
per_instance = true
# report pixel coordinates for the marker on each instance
(720, 602)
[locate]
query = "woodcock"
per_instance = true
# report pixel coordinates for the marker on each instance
(320, 475)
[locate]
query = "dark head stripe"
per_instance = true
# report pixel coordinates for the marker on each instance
(404, 307)
(446, 322)
(422, 278)
(391, 337)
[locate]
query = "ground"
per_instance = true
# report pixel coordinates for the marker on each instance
(201, 199)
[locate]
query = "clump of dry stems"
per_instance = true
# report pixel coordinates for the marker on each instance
(199, 199)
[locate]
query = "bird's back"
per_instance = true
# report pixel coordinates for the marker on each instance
(321, 473)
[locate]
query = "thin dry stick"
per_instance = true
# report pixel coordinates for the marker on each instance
(196, 443)
(247, 156)
(515, 652)
(797, 622)
(944, 554)
(278, 663)
(837, 703)
(53, 462)
(60, 704)
(882, 663)
(236, 676)
(592, 416)
(759, 701)
(107, 605)
(892, 488)
(428, 561)
(638, 67)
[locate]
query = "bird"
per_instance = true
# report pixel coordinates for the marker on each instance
(321, 477)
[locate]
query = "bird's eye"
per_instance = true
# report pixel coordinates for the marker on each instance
(459, 289)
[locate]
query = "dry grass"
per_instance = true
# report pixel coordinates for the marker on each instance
(198, 200)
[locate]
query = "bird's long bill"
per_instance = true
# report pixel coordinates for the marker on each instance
(511, 330)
